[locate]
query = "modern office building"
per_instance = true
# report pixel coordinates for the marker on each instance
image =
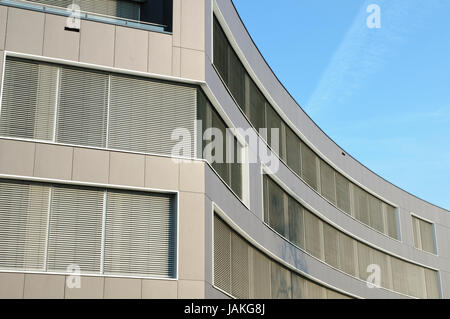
(94, 104)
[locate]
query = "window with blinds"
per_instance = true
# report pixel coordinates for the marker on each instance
(144, 113)
(243, 271)
(82, 107)
(140, 234)
(424, 237)
(48, 227)
(292, 150)
(23, 225)
(325, 242)
(229, 166)
(93, 108)
(29, 100)
(75, 233)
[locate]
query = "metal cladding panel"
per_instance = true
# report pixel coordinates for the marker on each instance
(140, 234)
(75, 233)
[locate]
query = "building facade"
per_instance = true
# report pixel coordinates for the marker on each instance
(107, 190)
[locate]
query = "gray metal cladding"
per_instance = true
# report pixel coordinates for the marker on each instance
(145, 113)
(75, 233)
(83, 107)
(140, 234)
(23, 225)
(29, 100)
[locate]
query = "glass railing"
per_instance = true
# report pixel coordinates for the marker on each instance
(59, 10)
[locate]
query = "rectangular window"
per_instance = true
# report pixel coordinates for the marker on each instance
(245, 272)
(23, 225)
(155, 15)
(85, 107)
(309, 166)
(145, 113)
(424, 238)
(327, 182)
(137, 222)
(140, 230)
(325, 242)
(228, 167)
(29, 100)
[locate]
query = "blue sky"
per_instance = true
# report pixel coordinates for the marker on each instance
(382, 94)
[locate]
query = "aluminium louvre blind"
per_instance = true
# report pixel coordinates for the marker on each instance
(140, 234)
(236, 169)
(293, 151)
(82, 112)
(298, 287)
(331, 294)
(219, 162)
(432, 283)
(347, 262)
(416, 232)
(257, 105)
(221, 50)
(427, 236)
(276, 207)
(376, 213)
(274, 122)
(383, 260)
(314, 291)
(296, 223)
(75, 232)
(222, 255)
(261, 276)
(361, 204)
(364, 261)
(343, 193)
(144, 114)
(391, 217)
(240, 278)
(327, 182)
(23, 225)
(309, 166)
(237, 79)
(29, 100)
(257, 112)
(280, 282)
(312, 234)
(331, 245)
(399, 275)
(416, 281)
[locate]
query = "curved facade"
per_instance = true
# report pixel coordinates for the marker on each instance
(90, 119)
